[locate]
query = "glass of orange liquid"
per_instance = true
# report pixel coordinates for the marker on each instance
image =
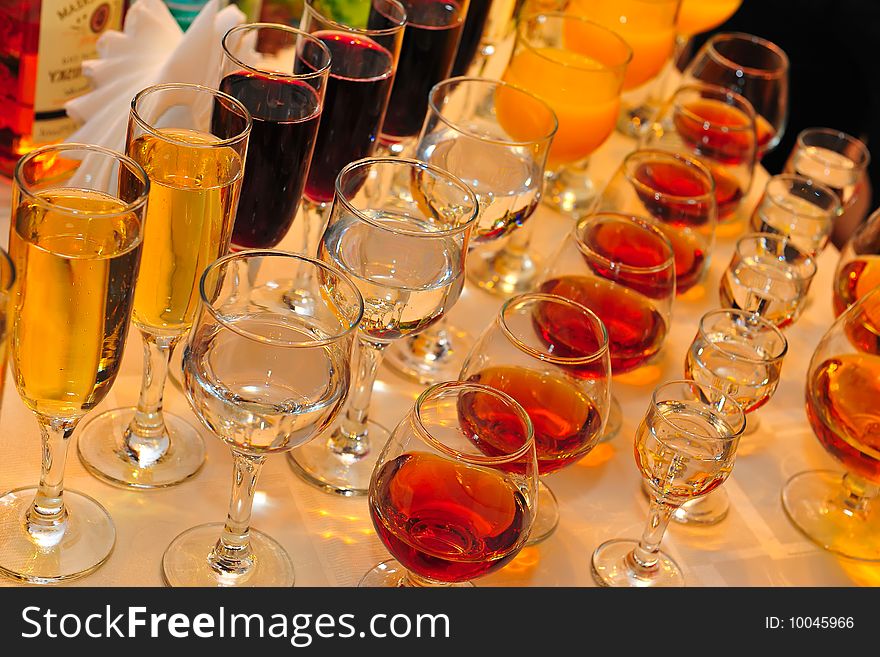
(577, 67)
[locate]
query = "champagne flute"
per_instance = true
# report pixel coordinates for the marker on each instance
(192, 141)
(858, 268)
(400, 229)
(75, 242)
(264, 378)
(684, 448)
(551, 355)
(452, 497)
(468, 133)
(839, 511)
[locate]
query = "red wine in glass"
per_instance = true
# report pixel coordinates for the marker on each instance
(430, 41)
(715, 130)
(356, 96)
(444, 520)
(471, 34)
(285, 115)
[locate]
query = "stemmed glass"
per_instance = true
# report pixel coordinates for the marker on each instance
(858, 268)
(264, 378)
(740, 354)
(578, 68)
(717, 126)
(468, 132)
(838, 511)
(684, 448)
(191, 141)
(679, 193)
(75, 242)
(400, 229)
(551, 355)
(757, 70)
(622, 268)
(768, 276)
(453, 494)
(488, 22)
(280, 75)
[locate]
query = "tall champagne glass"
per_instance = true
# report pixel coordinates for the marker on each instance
(840, 511)
(191, 141)
(264, 378)
(468, 134)
(7, 278)
(400, 229)
(76, 241)
(280, 75)
(685, 448)
(858, 268)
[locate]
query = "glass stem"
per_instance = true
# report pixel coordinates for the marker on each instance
(47, 518)
(352, 438)
(514, 257)
(432, 344)
(232, 553)
(146, 439)
(644, 557)
(857, 494)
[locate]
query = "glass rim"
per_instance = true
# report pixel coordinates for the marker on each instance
(476, 459)
(530, 297)
(723, 398)
(806, 181)
(409, 163)
(642, 222)
(248, 253)
(245, 27)
(786, 243)
(860, 146)
(690, 161)
(496, 83)
(216, 93)
(751, 318)
(132, 165)
(743, 103)
(766, 73)
(522, 38)
(386, 31)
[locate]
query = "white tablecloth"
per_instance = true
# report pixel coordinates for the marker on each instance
(332, 542)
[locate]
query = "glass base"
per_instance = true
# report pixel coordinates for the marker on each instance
(341, 474)
(571, 192)
(706, 510)
(84, 544)
(431, 356)
(185, 561)
(102, 453)
(547, 518)
(611, 566)
(814, 503)
(614, 422)
(503, 273)
(390, 574)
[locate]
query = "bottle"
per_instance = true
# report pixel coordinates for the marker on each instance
(42, 46)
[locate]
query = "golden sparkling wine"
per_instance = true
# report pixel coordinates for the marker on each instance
(190, 212)
(73, 298)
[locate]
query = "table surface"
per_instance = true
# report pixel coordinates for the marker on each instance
(331, 539)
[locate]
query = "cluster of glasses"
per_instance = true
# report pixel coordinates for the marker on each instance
(178, 237)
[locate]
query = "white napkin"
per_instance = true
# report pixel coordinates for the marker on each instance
(151, 49)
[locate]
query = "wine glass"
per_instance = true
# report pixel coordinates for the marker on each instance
(191, 141)
(679, 193)
(769, 276)
(839, 161)
(7, 279)
(468, 134)
(75, 241)
(839, 511)
(858, 267)
(362, 67)
(622, 268)
(799, 208)
(551, 355)
(717, 126)
(400, 229)
(740, 354)
(430, 41)
(453, 493)
(756, 69)
(264, 378)
(684, 448)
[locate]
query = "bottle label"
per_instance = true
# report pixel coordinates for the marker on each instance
(69, 30)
